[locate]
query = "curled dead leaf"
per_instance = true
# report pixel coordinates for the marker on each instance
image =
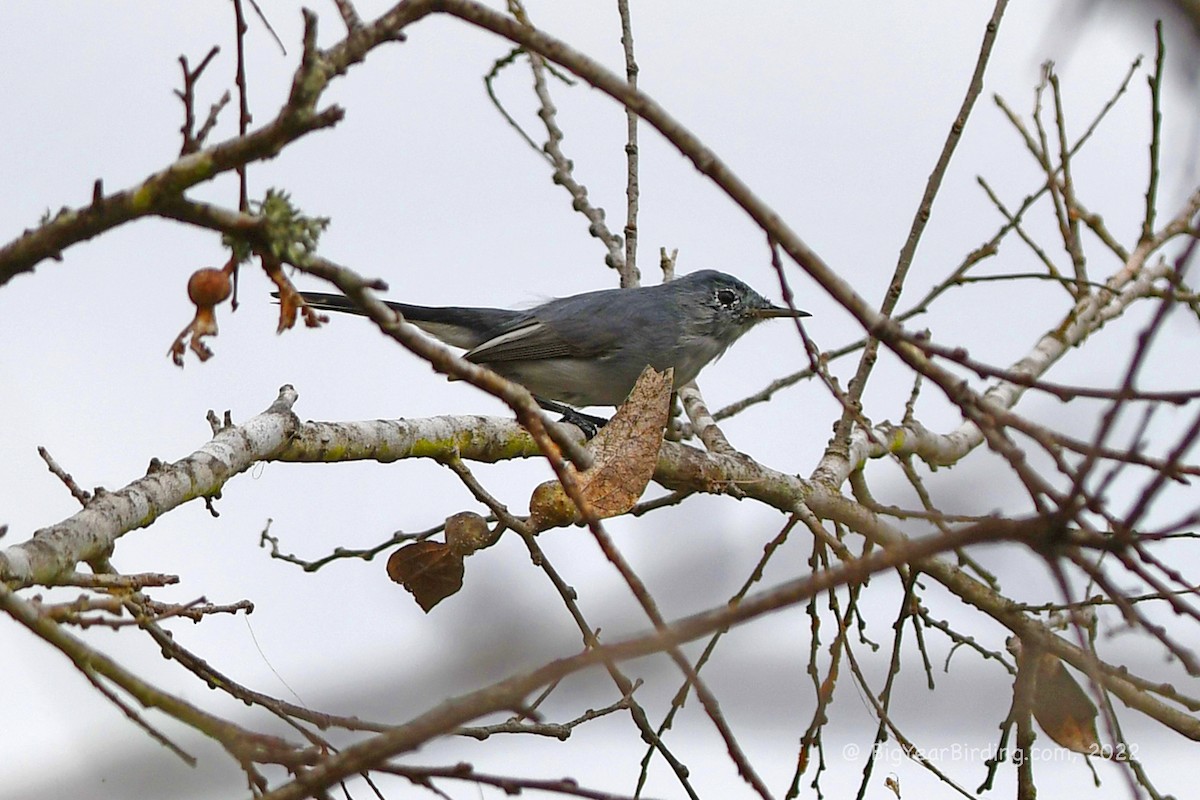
(1063, 709)
(626, 452)
(430, 571)
(291, 303)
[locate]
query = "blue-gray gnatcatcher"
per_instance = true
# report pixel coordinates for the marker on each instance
(589, 349)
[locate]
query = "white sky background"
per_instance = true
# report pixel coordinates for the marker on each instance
(832, 112)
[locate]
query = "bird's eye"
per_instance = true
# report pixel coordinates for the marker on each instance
(727, 297)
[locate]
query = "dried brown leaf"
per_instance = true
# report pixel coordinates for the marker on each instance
(626, 449)
(626, 452)
(431, 571)
(1063, 709)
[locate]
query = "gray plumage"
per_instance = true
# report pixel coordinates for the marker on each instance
(588, 349)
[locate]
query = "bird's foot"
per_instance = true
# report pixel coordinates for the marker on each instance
(585, 422)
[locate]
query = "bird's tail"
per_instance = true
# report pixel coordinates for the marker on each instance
(323, 301)
(460, 327)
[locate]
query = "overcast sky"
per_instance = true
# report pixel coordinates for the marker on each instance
(833, 112)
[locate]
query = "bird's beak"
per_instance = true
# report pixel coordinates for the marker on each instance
(772, 312)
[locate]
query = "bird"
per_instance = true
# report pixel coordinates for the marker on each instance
(589, 349)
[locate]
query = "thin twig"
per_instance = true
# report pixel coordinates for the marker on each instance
(1073, 244)
(630, 276)
(192, 141)
(79, 494)
(564, 168)
(1155, 129)
(265, 539)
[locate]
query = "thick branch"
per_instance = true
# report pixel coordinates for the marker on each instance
(90, 534)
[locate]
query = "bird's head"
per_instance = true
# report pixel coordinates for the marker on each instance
(725, 307)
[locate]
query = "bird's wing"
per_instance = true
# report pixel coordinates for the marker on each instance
(595, 325)
(531, 339)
